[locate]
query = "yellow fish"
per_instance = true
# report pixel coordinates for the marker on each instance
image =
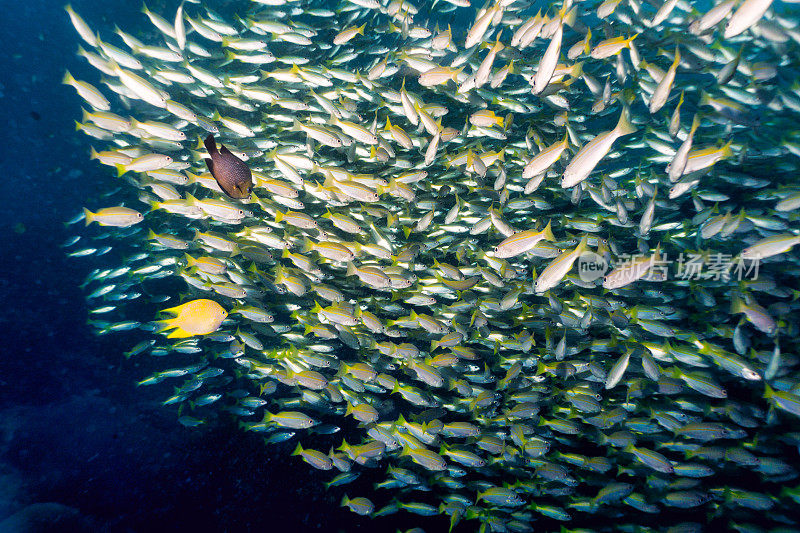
(198, 317)
(113, 216)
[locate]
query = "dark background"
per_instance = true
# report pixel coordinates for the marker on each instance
(74, 428)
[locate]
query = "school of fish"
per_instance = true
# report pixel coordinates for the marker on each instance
(535, 264)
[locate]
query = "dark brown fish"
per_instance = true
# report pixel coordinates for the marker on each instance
(232, 174)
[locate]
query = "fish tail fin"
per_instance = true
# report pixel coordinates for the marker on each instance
(298, 450)
(548, 232)
(695, 124)
(583, 245)
(279, 216)
(120, 170)
(727, 151)
(68, 79)
(351, 270)
(498, 46)
(569, 17)
(769, 392)
(88, 216)
(279, 275)
(737, 305)
(577, 70)
(656, 258)
(625, 126)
